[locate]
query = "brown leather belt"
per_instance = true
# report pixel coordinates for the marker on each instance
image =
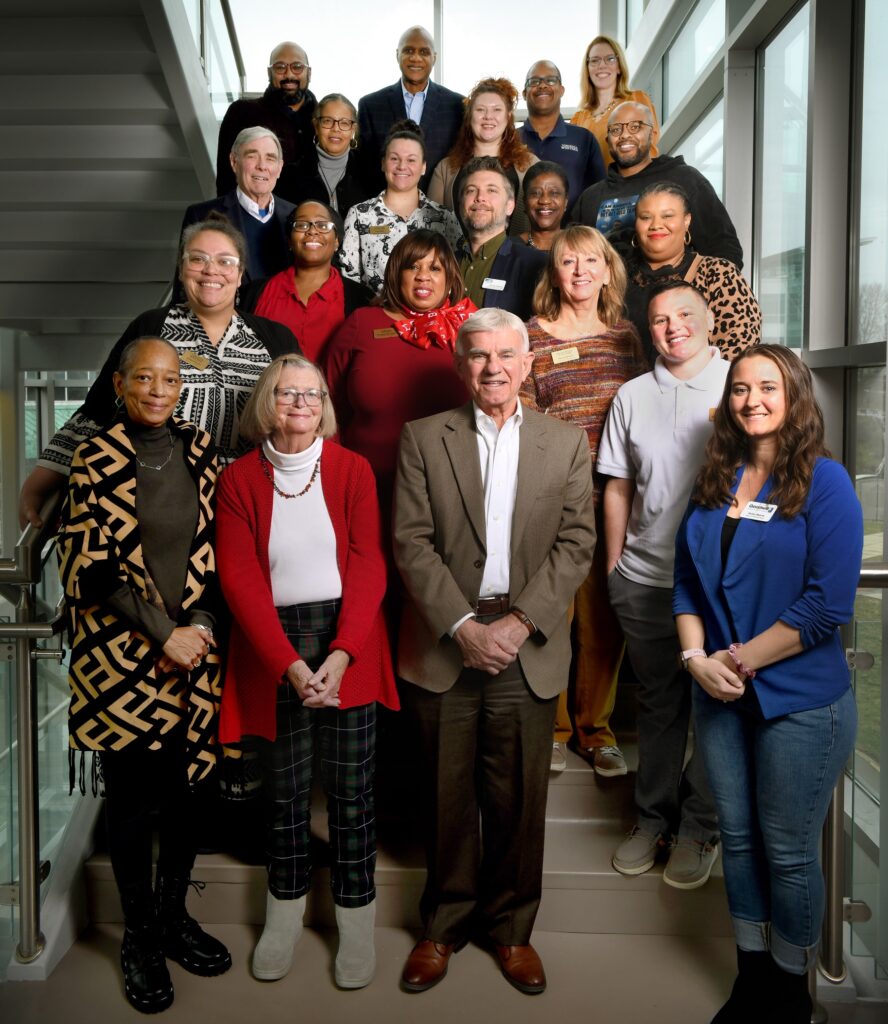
(498, 605)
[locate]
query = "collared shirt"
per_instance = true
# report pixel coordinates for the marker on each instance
(414, 102)
(254, 209)
(573, 148)
(498, 453)
(372, 230)
(476, 268)
(313, 322)
(655, 433)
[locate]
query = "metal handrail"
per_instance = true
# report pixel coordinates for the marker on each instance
(235, 43)
(20, 575)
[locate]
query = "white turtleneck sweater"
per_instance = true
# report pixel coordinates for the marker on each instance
(302, 544)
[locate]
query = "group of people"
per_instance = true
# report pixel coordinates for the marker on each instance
(444, 451)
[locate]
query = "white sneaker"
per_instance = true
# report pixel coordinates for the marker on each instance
(559, 757)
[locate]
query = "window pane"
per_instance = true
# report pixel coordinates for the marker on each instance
(782, 134)
(703, 146)
(872, 287)
(694, 46)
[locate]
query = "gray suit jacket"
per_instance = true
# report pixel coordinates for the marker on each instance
(440, 549)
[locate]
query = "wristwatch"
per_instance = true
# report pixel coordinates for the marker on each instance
(693, 652)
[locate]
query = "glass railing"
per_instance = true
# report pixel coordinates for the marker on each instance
(215, 37)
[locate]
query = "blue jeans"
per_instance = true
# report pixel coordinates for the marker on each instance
(772, 781)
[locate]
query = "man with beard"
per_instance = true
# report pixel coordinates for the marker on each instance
(498, 271)
(286, 107)
(438, 111)
(609, 205)
(546, 133)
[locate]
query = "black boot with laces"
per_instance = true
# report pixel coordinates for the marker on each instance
(183, 940)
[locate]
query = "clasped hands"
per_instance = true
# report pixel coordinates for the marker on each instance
(718, 676)
(186, 647)
(491, 647)
(319, 689)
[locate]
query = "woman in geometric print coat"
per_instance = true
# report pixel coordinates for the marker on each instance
(138, 568)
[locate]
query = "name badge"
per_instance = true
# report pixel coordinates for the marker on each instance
(384, 332)
(195, 359)
(493, 284)
(379, 229)
(712, 415)
(760, 511)
(566, 355)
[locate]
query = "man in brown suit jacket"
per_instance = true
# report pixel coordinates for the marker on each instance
(493, 533)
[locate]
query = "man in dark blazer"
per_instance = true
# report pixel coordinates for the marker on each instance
(259, 215)
(437, 110)
(493, 533)
(286, 107)
(497, 270)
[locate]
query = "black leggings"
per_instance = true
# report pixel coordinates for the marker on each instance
(137, 783)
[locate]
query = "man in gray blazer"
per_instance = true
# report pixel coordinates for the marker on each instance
(438, 111)
(493, 533)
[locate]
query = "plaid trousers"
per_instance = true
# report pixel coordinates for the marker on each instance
(345, 744)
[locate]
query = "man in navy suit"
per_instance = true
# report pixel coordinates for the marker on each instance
(438, 111)
(498, 271)
(260, 216)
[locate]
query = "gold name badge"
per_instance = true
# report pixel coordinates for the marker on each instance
(566, 355)
(195, 359)
(712, 415)
(379, 229)
(385, 332)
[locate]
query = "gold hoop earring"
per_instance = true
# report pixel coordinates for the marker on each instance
(353, 144)
(687, 236)
(634, 242)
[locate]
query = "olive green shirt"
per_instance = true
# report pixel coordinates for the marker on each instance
(476, 269)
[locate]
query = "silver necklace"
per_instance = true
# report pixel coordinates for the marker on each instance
(147, 465)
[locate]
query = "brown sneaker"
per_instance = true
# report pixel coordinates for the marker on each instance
(608, 762)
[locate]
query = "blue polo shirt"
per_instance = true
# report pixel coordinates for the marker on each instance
(576, 149)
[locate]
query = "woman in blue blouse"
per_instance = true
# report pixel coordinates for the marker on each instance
(767, 564)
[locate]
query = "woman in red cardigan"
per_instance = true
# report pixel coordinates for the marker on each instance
(301, 565)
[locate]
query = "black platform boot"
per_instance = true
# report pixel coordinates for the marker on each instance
(753, 988)
(792, 1002)
(183, 939)
(146, 979)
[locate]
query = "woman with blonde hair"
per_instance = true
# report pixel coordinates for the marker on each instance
(302, 570)
(604, 82)
(583, 351)
(488, 129)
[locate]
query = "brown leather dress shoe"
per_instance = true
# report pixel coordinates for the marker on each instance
(522, 967)
(426, 965)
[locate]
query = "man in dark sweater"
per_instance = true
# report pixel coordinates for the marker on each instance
(286, 107)
(609, 205)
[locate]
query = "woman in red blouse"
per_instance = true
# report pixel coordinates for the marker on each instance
(393, 362)
(311, 298)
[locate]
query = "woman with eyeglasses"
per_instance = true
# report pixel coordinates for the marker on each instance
(488, 129)
(373, 228)
(604, 83)
(330, 170)
(222, 352)
(311, 298)
(302, 569)
(545, 197)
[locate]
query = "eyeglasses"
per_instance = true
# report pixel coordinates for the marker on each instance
(321, 226)
(596, 62)
(345, 123)
(615, 130)
(290, 396)
(200, 260)
(532, 83)
(296, 66)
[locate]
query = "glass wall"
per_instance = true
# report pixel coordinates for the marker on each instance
(695, 45)
(782, 136)
(703, 146)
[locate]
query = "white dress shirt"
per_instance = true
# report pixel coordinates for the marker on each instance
(254, 209)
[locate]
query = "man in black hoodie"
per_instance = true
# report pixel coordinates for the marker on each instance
(286, 107)
(609, 205)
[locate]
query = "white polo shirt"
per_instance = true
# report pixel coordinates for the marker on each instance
(655, 434)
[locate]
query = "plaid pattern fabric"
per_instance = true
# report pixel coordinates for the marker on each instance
(345, 744)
